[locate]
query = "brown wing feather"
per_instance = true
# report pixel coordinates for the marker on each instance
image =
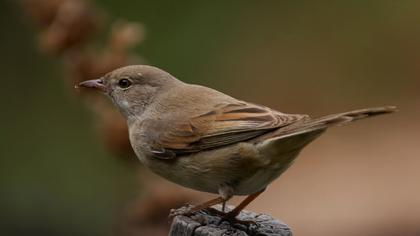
(224, 125)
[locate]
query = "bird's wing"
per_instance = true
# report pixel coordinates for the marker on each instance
(225, 124)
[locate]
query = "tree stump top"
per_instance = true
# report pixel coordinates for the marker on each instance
(203, 223)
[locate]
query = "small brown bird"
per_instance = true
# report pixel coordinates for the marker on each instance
(206, 140)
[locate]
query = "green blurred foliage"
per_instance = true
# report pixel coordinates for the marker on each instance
(296, 56)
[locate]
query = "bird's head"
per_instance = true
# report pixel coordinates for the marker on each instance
(132, 88)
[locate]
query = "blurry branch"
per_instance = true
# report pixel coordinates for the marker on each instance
(67, 30)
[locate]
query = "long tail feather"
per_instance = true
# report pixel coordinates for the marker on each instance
(346, 117)
(296, 136)
(322, 123)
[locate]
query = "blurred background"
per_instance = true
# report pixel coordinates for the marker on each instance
(66, 167)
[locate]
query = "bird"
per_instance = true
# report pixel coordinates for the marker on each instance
(208, 141)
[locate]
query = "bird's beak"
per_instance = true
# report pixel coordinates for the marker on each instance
(97, 84)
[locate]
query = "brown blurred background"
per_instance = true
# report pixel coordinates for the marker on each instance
(64, 169)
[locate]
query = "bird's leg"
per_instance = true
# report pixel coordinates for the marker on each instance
(231, 216)
(233, 213)
(208, 204)
(193, 209)
(225, 193)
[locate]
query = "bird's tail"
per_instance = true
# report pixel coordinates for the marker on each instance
(346, 117)
(322, 123)
(297, 135)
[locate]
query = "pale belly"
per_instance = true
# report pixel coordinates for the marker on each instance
(240, 166)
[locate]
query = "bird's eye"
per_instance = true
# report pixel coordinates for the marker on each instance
(124, 83)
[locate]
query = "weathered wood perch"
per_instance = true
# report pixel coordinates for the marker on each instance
(203, 223)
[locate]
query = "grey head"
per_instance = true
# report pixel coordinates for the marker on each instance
(133, 88)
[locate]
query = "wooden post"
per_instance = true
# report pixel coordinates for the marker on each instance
(203, 223)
